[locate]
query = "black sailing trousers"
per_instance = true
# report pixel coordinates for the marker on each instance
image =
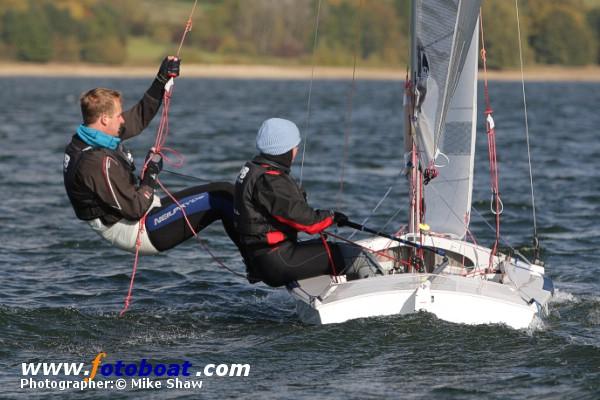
(167, 227)
(291, 261)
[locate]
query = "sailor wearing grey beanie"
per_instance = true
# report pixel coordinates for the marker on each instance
(270, 209)
(277, 136)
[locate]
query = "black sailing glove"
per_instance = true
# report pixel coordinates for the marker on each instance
(169, 68)
(340, 218)
(154, 165)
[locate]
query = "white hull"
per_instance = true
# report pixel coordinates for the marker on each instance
(451, 295)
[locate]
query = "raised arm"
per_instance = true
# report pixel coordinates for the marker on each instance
(138, 117)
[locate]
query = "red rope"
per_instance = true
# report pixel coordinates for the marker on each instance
(188, 27)
(189, 224)
(491, 134)
(138, 244)
(163, 127)
(161, 138)
(178, 159)
(328, 250)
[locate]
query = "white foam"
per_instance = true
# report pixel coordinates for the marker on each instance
(277, 297)
(594, 317)
(280, 296)
(537, 325)
(563, 297)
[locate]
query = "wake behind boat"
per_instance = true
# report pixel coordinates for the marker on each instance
(432, 267)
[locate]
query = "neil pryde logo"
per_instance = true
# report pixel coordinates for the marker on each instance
(139, 374)
(174, 211)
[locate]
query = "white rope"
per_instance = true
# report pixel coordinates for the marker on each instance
(526, 121)
(438, 153)
(500, 203)
(312, 78)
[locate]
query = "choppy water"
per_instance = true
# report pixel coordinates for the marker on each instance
(62, 288)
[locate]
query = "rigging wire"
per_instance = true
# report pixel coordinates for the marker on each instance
(189, 224)
(489, 225)
(535, 236)
(466, 225)
(349, 108)
(390, 219)
(502, 239)
(196, 178)
(310, 86)
(364, 221)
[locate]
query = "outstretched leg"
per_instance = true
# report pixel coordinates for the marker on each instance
(203, 205)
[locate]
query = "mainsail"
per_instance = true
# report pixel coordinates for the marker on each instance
(448, 196)
(444, 64)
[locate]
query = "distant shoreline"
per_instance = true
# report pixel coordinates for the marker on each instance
(541, 73)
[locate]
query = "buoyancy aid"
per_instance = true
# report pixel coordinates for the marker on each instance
(86, 203)
(256, 227)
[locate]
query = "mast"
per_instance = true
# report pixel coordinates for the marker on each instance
(409, 128)
(441, 117)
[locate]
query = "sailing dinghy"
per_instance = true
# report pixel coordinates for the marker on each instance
(433, 267)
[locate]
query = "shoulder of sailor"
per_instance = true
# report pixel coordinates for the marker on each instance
(79, 156)
(91, 152)
(97, 155)
(279, 182)
(274, 174)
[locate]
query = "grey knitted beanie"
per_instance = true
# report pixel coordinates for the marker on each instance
(277, 136)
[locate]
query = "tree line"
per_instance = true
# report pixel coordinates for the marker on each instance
(375, 32)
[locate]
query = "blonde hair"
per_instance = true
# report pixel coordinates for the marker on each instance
(96, 102)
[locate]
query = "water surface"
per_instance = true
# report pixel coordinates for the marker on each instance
(63, 287)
